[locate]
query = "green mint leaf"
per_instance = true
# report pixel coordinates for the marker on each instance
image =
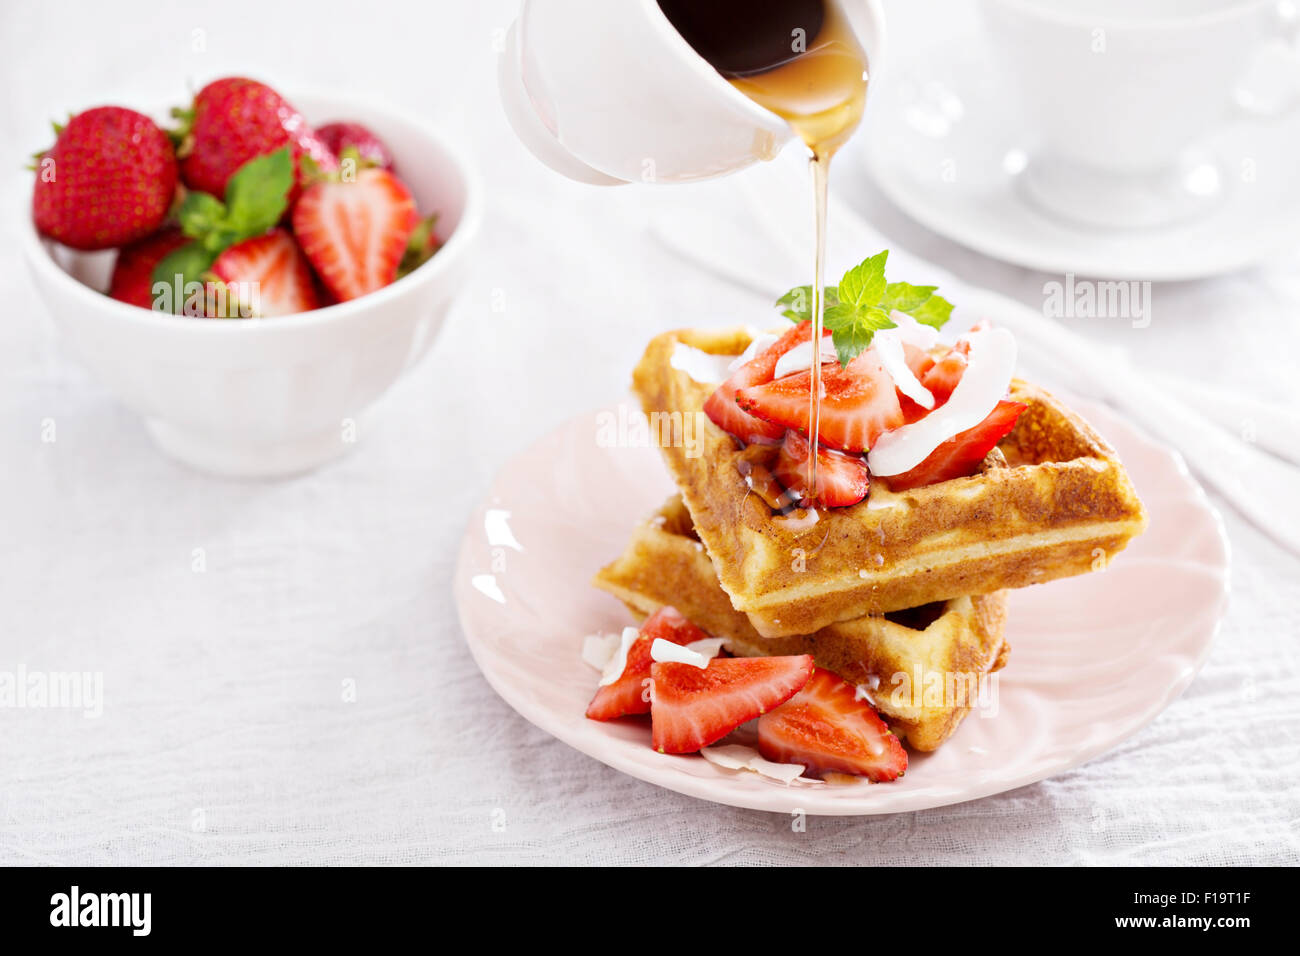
(798, 302)
(853, 327)
(905, 297)
(934, 312)
(861, 304)
(839, 316)
(258, 193)
(864, 284)
(182, 265)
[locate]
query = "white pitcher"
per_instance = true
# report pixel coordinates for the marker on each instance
(608, 92)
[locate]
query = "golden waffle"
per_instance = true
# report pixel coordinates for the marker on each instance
(1051, 501)
(953, 643)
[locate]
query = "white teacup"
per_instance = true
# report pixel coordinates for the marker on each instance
(607, 91)
(1119, 93)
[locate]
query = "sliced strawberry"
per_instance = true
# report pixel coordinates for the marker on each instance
(721, 406)
(627, 694)
(267, 275)
(355, 231)
(944, 375)
(693, 707)
(859, 402)
(828, 729)
(960, 455)
(920, 362)
(841, 479)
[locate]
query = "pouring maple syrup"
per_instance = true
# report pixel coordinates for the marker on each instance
(800, 60)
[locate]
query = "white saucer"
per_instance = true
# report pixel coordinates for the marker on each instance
(942, 141)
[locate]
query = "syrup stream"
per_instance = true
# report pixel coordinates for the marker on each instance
(820, 166)
(821, 93)
(801, 60)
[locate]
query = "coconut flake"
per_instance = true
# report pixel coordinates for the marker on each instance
(618, 662)
(889, 349)
(912, 332)
(708, 646)
(799, 358)
(666, 652)
(990, 365)
(487, 584)
(866, 689)
(497, 525)
(598, 649)
(759, 342)
(740, 757)
(705, 367)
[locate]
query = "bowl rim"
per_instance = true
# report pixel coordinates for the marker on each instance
(38, 256)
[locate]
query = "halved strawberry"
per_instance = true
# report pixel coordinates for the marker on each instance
(960, 455)
(693, 707)
(721, 406)
(627, 694)
(841, 479)
(828, 729)
(355, 231)
(267, 275)
(859, 402)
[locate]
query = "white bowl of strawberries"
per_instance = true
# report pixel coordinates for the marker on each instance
(266, 280)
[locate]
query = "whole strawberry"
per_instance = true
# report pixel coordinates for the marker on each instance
(108, 180)
(232, 121)
(133, 278)
(371, 149)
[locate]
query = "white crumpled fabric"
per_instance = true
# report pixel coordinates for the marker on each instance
(307, 697)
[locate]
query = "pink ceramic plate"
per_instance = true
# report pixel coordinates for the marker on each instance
(1093, 658)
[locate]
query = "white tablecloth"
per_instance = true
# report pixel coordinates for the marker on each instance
(284, 678)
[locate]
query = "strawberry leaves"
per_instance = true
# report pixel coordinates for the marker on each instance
(862, 303)
(256, 198)
(421, 246)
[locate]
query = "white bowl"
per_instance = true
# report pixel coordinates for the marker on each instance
(275, 396)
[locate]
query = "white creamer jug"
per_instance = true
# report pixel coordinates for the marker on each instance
(608, 92)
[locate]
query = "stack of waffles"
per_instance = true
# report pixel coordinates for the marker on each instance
(905, 593)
